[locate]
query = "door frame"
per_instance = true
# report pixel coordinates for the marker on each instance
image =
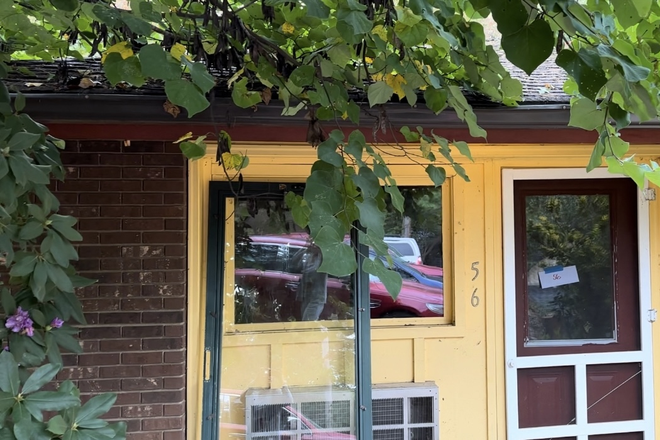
(512, 362)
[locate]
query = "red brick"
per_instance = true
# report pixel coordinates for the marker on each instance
(169, 317)
(99, 385)
(88, 292)
(119, 291)
(163, 211)
(152, 224)
(175, 330)
(119, 318)
(105, 277)
(121, 185)
(99, 224)
(73, 373)
(140, 411)
(174, 303)
(68, 198)
(174, 435)
(175, 224)
(142, 251)
(142, 173)
(133, 425)
(100, 332)
(90, 237)
(88, 264)
(143, 331)
(163, 396)
(163, 237)
(143, 277)
(99, 146)
(79, 159)
(142, 304)
(163, 370)
(164, 159)
(80, 211)
(96, 305)
(162, 343)
(120, 237)
(162, 424)
(175, 276)
(127, 398)
(120, 345)
(163, 290)
(144, 147)
(77, 185)
(141, 198)
(99, 198)
(99, 251)
(97, 359)
(100, 173)
(164, 263)
(89, 346)
(174, 357)
(154, 435)
(121, 264)
(120, 371)
(176, 409)
(120, 159)
(175, 173)
(173, 383)
(121, 211)
(175, 251)
(164, 185)
(142, 358)
(144, 383)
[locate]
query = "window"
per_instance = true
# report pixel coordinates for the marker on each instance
(286, 330)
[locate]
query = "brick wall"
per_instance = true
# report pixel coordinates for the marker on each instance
(131, 204)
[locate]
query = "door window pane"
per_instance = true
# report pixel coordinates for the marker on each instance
(566, 232)
(414, 238)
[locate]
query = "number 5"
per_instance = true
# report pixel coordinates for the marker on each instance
(476, 270)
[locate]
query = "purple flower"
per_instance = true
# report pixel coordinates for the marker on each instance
(20, 322)
(56, 323)
(6, 348)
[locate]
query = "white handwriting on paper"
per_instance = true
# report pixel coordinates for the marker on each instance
(558, 276)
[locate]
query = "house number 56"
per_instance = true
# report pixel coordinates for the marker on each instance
(474, 299)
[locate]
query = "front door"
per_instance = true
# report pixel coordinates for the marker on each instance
(577, 345)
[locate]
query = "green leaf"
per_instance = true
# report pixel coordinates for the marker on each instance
(8, 303)
(40, 377)
(183, 93)
(66, 341)
(39, 279)
(585, 68)
(316, 8)
(158, 64)
(57, 425)
(530, 46)
(4, 166)
(7, 400)
(200, 75)
(464, 112)
(193, 150)
(436, 99)
(437, 174)
(25, 171)
(619, 115)
(395, 196)
(379, 93)
(117, 69)
(596, 159)
(585, 114)
(635, 171)
(351, 24)
(631, 71)
(390, 279)
(409, 136)
(628, 13)
(464, 149)
(242, 97)
(371, 216)
(510, 15)
(96, 407)
(19, 102)
(136, 24)
(338, 257)
(59, 278)
(9, 382)
(65, 5)
(618, 146)
(31, 230)
(51, 400)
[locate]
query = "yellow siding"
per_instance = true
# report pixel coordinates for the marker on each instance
(463, 353)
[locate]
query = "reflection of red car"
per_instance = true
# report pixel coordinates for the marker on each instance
(430, 271)
(267, 280)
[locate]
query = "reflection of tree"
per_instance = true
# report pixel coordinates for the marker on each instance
(571, 230)
(423, 205)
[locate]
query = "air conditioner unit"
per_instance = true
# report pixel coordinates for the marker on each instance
(400, 412)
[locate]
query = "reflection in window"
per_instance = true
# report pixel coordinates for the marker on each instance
(562, 231)
(414, 239)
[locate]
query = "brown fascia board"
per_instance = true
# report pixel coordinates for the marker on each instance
(123, 109)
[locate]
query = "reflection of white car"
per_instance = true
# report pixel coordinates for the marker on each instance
(405, 247)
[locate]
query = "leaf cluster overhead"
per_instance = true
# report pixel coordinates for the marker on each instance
(312, 54)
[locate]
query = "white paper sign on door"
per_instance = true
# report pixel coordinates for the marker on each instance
(558, 276)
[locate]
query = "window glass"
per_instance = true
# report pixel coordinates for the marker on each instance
(414, 238)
